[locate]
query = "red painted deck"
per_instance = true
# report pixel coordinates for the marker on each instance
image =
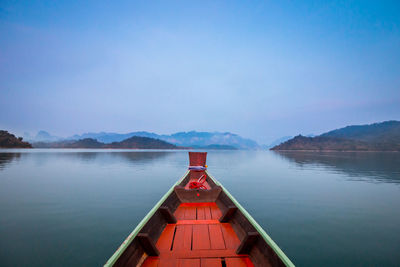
(198, 239)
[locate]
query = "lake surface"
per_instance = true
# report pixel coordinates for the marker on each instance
(75, 207)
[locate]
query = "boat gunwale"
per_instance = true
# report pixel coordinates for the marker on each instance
(260, 230)
(121, 249)
(112, 260)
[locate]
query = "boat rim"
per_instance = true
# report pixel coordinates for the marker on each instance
(252, 221)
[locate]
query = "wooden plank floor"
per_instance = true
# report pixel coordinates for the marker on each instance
(198, 239)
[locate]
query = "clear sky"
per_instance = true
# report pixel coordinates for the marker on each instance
(261, 69)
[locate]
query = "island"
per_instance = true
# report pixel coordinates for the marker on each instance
(383, 136)
(8, 140)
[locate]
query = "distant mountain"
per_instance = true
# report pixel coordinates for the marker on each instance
(83, 143)
(8, 140)
(277, 142)
(113, 137)
(41, 136)
(217, 147)
(384, 136)
(387, 131)
(142, 143)
(322, 143)
(194, 138)
(134, 142)
(186, 139)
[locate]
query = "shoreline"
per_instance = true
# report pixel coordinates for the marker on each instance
(314, 150)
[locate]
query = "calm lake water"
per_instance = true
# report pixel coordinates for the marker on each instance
(75, 207)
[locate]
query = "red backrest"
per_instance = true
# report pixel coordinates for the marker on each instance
(197, 158)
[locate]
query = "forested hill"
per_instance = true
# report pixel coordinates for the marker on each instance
(388, 131)
(142, 143)
(134, 142)
(8, 140)
(384, 136)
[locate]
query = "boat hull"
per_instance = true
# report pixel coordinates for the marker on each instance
(143, 243)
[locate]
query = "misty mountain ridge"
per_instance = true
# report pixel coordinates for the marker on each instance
(41, 136)
(384, 136)
(185, 139)
(216, 147)
(134, 142)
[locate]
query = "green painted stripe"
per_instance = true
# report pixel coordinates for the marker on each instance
(139, 227)
(266, 237)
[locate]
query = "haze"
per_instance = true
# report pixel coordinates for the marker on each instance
(260, 69)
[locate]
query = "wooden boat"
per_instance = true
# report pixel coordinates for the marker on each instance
(198, 223)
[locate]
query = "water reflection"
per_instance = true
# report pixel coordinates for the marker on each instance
(90, 200)
(111, 156)
(142, 156)
(106, 156)
(360, 166)
(7, 158)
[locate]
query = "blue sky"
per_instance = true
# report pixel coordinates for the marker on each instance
(260, 69)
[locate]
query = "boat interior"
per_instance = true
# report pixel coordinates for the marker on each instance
(198, 226)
